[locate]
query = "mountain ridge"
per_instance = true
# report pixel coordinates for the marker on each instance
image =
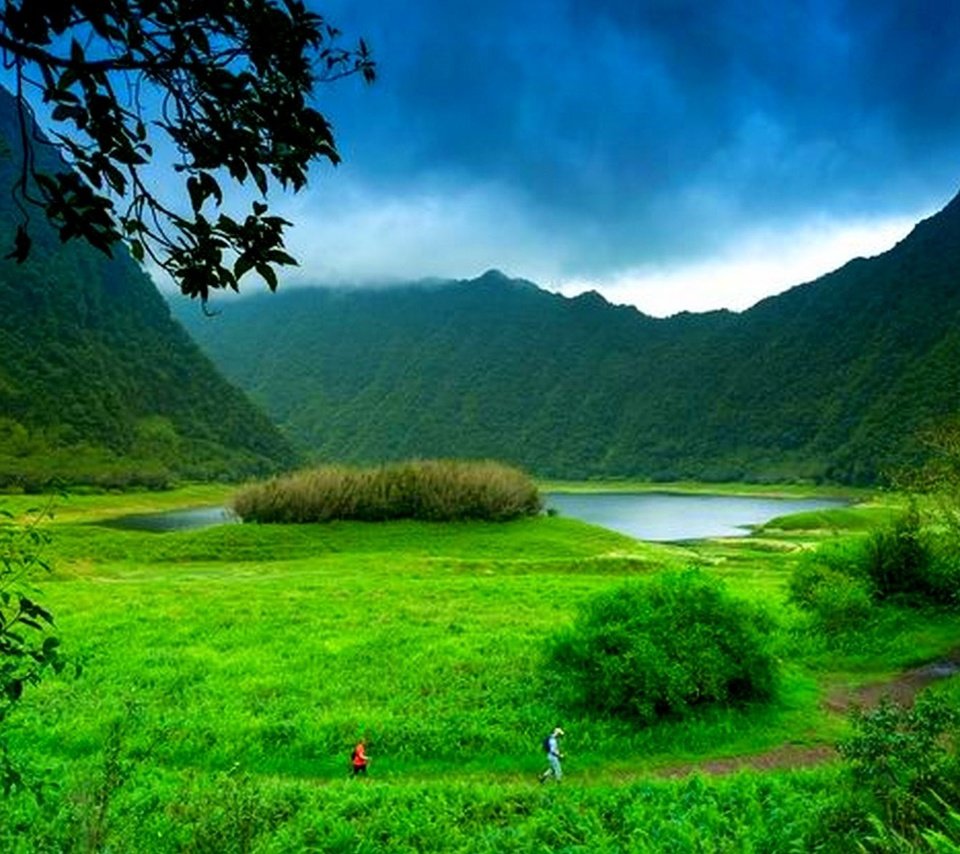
(829, 380)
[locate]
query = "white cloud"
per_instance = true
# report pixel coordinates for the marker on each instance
(360, 236)
(347, 233)
(752, 267)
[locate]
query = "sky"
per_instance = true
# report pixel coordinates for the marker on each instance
(670, 154)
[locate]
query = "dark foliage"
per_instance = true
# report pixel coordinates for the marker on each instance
(906, 759)
(227, 82)
(28, 647)
(665, 646)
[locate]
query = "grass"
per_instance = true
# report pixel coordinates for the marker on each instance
(861, 517)
(779, 490)
(228, 671)
(96, 506)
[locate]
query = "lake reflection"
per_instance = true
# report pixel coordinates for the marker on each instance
(669, 518)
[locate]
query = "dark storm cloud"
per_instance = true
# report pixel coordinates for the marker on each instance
(641, 130)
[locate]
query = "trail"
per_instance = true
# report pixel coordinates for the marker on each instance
(902, 689)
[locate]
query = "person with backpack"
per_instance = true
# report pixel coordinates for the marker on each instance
(551, 745)
(359, 758)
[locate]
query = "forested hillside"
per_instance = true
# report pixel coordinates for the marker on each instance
(97, 382)
(831, 380)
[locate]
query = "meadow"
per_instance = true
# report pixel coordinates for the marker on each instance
(227, 673)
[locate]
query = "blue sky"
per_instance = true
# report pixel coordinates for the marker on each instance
(673, 154)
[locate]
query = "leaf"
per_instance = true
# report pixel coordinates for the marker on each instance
(242, 265)
(21, 246)
(195, 192)
(266, 272)
(210, 187)
(62, 112)
(259, 178)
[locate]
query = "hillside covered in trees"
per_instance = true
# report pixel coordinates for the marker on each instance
(832, 380)
(97, 382)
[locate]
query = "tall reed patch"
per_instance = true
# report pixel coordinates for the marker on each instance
(431, 490)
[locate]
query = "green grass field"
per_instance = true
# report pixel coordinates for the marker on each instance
(227, 673)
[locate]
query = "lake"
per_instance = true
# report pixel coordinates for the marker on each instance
(666, 517)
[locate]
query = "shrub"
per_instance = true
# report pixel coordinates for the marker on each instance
(904, 758)
(898, 559)
(943, 572)
(901, 559)
(433, 490)
(664, 646)
(832, 585)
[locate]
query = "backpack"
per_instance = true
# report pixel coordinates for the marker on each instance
(546, 744)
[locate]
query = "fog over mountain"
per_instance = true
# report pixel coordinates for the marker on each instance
(658, 152)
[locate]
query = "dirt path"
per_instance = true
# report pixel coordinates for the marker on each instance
(902, 689)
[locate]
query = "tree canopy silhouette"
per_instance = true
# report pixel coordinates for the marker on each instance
(227, 82)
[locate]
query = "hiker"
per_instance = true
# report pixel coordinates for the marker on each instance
(359, 759)
(551, 745)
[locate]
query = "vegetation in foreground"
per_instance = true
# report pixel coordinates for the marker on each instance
(432, 490)
(229, 671)
(665, 647)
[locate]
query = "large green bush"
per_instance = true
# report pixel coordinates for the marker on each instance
(663, 646)
(432, 490)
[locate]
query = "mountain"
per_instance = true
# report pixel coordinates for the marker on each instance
(98, 383)
(831, 380)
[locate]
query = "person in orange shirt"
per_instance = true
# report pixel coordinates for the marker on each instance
(359, 759)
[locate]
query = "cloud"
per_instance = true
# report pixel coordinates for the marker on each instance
(645, 149)
(366, 236)
(755, 266)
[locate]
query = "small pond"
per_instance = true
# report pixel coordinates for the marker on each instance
(174, 520)
(666, 517)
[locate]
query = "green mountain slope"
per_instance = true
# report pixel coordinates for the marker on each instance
(830, 380)
(97, 382)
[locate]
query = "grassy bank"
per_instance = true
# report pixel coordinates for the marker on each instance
(768, 490)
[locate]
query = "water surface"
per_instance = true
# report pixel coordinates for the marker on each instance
(669, 518)
(174, 520)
